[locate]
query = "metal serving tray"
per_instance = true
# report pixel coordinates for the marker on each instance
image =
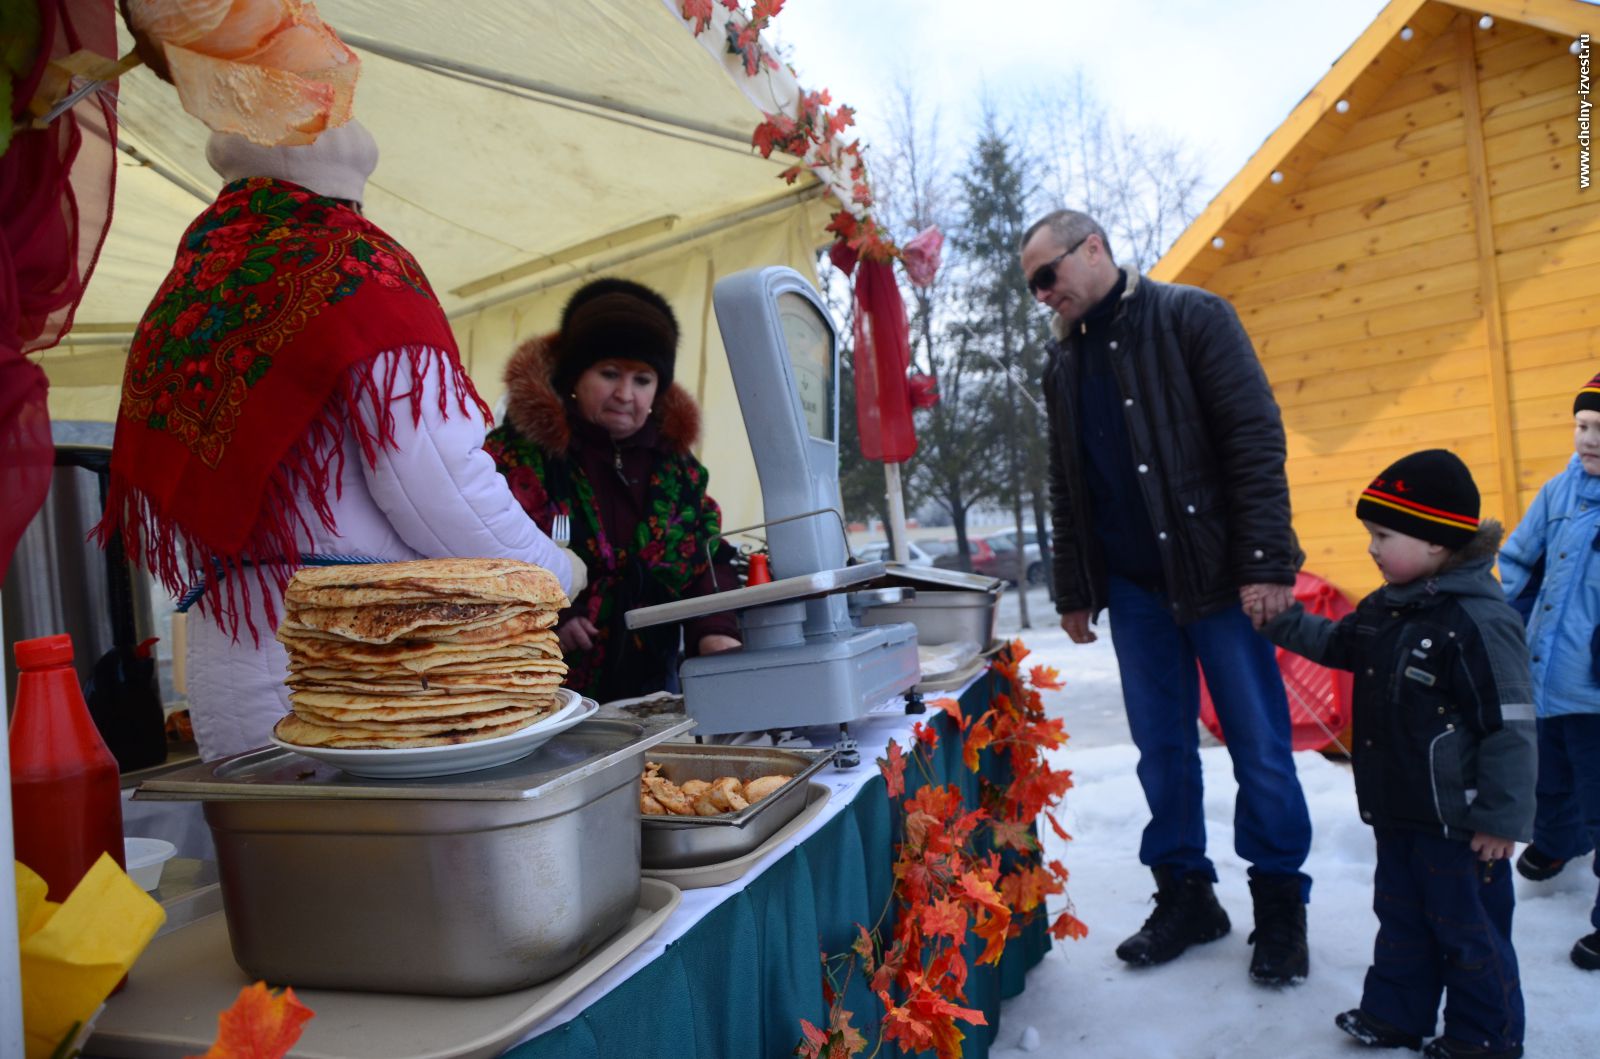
(459, 885)
(784, 590)
(693, 841)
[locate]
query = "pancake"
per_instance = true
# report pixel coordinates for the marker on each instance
(292, 728)
(435, 621)
(426, 581)
(426, 725)
(458, 684)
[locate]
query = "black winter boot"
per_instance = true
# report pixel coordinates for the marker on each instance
(1586, 953)
(1537, 865)
(1281, 956)
(1374, 1032)
(1187, 913)
(1450, 1048)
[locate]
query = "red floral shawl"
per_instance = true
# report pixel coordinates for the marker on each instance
(238, 393)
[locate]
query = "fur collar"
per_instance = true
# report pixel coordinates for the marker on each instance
(540, 414)
(1059, 328)
(1484, 546)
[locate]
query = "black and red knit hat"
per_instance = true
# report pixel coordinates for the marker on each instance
(1429, 495)
(612, 317)
(1588, 399)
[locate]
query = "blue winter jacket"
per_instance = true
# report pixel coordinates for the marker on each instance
(1561, 526)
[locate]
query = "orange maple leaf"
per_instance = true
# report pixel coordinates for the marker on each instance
(1067, 926)
(259, 1025)
(925, 734)
(1045, 677)
(979, 736)
(894, 770)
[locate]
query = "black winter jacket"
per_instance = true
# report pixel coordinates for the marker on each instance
(1207, 441)
(1444, 730)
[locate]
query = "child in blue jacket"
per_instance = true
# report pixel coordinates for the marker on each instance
(1443, 756)
(1560, 537)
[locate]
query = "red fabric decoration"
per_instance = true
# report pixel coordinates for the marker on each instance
(921, 256)
(238, 392)
(55, 205)
(1321, 700)
(882, 358)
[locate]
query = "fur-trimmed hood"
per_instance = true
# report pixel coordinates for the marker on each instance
(540, 414)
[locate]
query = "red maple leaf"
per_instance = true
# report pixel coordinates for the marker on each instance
(925, 734)
(813, 1043)
(944, 917)
(699, 11)
(894, 770)
(1012, 834)
(763, 10)
(259, 1025)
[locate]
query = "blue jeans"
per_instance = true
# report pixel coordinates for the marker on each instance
(1161, 690)
(1567, 824)
(1444, 927)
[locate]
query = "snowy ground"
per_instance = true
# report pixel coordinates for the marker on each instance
(1083, 1001)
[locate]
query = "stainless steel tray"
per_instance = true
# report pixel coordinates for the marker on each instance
(722, 872)
(805, 586)
(693, 841)
(169, 1009)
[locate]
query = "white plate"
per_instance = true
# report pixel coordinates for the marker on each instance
(423, 761)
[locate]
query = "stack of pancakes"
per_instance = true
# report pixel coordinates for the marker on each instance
(424, 653)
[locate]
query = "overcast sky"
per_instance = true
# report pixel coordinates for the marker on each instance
(1221, 73)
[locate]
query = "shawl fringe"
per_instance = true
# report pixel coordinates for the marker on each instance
(303, 477)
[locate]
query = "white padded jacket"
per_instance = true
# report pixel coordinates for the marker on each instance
(434, 494)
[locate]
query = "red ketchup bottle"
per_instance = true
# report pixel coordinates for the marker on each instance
(66, 795)
(760, 572)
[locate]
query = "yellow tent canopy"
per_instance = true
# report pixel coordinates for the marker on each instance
(526, 147)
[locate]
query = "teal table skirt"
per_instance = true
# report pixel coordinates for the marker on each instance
(737, 985)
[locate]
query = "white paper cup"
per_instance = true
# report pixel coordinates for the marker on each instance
(146, 857)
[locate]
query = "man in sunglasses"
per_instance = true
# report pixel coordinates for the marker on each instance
(1170, 509)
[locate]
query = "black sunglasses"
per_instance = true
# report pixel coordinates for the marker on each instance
(1044, 277)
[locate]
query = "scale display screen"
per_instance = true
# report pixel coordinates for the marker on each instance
(809, 339)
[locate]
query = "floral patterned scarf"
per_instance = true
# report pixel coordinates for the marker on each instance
(666, 553)
(237, 393)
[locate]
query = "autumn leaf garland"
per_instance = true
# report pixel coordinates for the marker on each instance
(950, 876)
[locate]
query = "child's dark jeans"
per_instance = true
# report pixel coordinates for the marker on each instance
(1444, 926)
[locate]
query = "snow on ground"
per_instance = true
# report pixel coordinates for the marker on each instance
(1083, 1001)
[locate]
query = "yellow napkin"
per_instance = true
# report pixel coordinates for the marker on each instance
(74, 953)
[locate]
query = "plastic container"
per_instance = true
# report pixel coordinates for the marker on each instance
(66, 797)
(146, 858)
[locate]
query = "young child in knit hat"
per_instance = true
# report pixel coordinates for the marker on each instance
(1553, 561)
(1443, 757)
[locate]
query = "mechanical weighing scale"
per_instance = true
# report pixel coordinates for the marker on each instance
(805, 660)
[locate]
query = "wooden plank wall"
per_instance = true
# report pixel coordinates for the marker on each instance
(1363, 291)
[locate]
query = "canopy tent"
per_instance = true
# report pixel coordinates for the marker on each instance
(526, 146)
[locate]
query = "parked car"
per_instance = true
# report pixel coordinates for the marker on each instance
(1004, 563)
(916, 554)
(949, 556)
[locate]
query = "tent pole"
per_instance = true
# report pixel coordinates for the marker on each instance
(10, 960)
(897, 511)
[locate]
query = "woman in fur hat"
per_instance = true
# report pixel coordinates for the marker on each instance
(595, 429)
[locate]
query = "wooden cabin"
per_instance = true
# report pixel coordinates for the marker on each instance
(1416, 261)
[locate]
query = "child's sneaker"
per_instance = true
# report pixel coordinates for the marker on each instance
(1533, 864)
(1374, 1032)
(1450, 1048)
(1586, 953)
